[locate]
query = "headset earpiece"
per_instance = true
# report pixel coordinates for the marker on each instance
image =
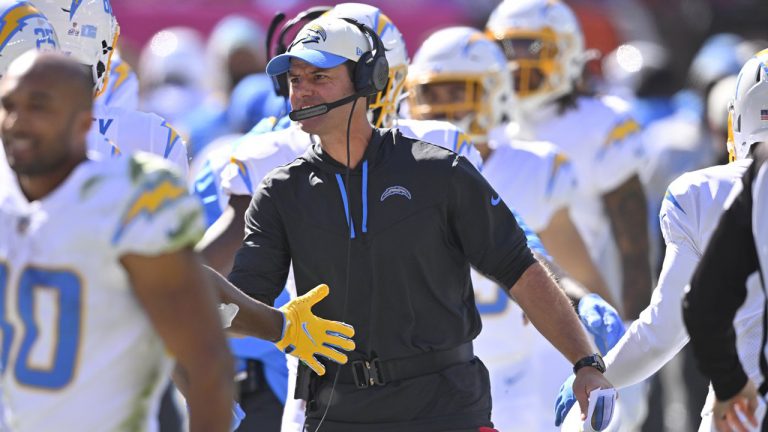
(371, 72)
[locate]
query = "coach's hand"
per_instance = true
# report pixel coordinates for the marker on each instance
(305, 335)
(601, 320)
(587, 379)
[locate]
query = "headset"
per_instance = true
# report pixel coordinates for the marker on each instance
(370, 75)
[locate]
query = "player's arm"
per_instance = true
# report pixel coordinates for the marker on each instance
(224, 237)
(653, 339)
(627, 210)
(181, 305)
(254, 317)
(568, 249)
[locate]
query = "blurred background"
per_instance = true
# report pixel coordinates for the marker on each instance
(209, 54)
(666, 56)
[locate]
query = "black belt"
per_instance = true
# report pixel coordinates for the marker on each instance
(377, 372)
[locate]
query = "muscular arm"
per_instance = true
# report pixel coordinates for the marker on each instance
(551, 313)
(563, 241)
(224, 237)
(182, 308)
(573, 290)
(627, 210)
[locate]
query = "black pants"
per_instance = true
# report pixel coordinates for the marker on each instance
(263, 410)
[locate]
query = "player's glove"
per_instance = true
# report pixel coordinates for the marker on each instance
(565, 400)
(305, 335)
(237, 416)
(601, 320)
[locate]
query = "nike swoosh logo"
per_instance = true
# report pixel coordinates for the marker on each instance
(495, 200)
(306, 332)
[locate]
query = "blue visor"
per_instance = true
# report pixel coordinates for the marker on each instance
(280, 64)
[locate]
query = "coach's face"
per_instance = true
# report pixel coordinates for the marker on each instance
(38, 121)
(310, 86)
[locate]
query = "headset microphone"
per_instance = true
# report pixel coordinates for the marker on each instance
(316, 110)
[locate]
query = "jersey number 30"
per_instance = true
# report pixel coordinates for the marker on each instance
(66, 288)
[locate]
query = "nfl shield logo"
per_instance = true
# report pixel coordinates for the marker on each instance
(764, 114)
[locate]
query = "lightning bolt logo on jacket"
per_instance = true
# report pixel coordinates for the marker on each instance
(153, 197)
(14, 20)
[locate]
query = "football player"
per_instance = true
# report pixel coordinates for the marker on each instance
(97, 273)
(690, 212)
(544, 44)
(88, 32)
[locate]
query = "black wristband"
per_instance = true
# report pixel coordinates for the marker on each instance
(594, 360)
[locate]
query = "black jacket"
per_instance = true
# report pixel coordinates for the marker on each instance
(718, 289)
(420, 216)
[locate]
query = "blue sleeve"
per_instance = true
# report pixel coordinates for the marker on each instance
(207, 190)
(534, 242)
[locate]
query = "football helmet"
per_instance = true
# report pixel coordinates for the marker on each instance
(24, 27)
(463, 56)
(749, 109)
(175, 56)
(382, 106)
(87, 30)
(543, 41)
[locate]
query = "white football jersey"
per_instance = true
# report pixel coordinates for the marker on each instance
(122, 88)
(257, 155)
(690, 212)
(131, 131)
(532, 177)
(205, 175)
(78, 349)
(760, 216)
(605, 147)
(441, 133)
(8, 194)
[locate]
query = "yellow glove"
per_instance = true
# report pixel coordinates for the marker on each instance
(305, 335)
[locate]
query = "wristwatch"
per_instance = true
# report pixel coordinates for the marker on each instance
(595, 360)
